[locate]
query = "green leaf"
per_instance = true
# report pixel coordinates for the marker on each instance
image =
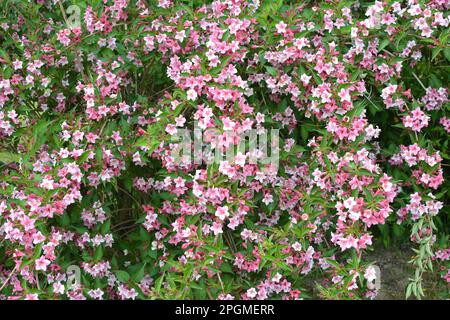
(98, 253)
(8, 157)
(409, 290)
(435, 52)
(226, 267)
(65, 220)
(7, 73)
(272, 71)
(384, 43)
(159, 282)
(139, 274)
(447, 53)
(123, 276)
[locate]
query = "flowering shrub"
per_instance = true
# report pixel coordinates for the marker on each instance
(93, 93)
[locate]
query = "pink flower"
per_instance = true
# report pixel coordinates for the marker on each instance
(251, 293)
(281, 27)
(180, 121)
(222, 213)
(31, 296)
(239, 159)
(370, 274)
(305, 79)
(416, 120)
(348, 242)
(63, 36)
(42, 263)
(216, 228)
(47, 183)
(58, 288)
(171, 129)
(297, 246)
(192, 94)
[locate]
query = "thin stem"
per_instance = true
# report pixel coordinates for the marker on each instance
(9, 277)
(417, 78)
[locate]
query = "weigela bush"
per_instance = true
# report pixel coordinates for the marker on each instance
(92, 94)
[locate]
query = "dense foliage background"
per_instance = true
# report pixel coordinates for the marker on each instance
(91, 95)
